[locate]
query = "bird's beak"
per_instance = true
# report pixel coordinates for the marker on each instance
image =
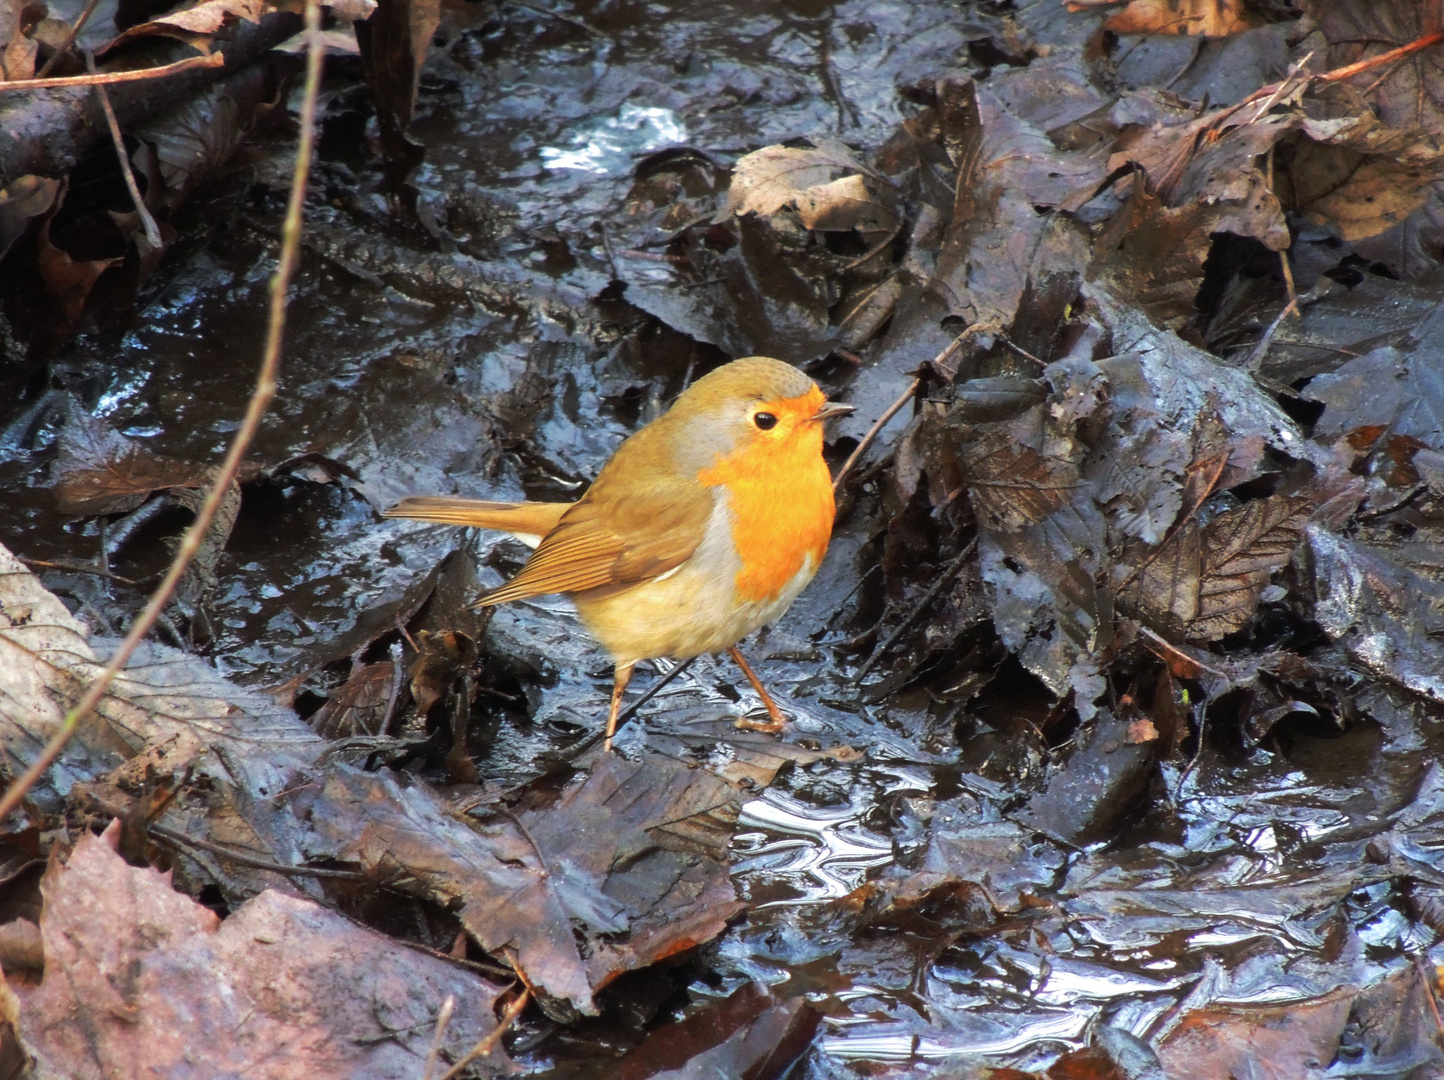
(831, 409)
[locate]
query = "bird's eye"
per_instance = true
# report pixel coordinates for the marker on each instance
(765, 420)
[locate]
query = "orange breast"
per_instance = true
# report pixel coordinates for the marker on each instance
(782, 508)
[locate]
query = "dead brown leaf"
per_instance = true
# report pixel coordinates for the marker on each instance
(1204, 582)
(1270, 1042)
(138, 973)
(194, 25)
(807, 181)
(100, 471)
(21, 202)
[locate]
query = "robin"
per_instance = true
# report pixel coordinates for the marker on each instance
(703, 526)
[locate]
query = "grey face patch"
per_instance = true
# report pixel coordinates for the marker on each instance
(745, 382)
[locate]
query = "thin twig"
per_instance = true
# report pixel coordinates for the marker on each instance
(488, 1044)
(442, 1019)
(1197, 753)
(1261, 350)
(70, 36)
(1292, 293)
(261, 396)
(560, 15)
(76, 568)
(1417, 45)
(1024, 353)
(872, 432)
(880, 246)
(215, 60)
(152, 230)
(1427, 979)
(182, 840)
(922, 605)
(892, 410)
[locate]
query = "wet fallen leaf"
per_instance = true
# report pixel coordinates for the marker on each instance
(750, 1035)
(1402, 391)
(1011, 484)
(1097, 784)
(99, 471)
(630, 858)
(1291, 1041)
(1383, 613)
(139, 973)
(1204, 581)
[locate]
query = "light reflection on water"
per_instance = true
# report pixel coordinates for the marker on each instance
(609, 144)
(1066, 1027)
(824, 854)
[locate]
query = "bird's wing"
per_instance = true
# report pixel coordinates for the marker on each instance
(615, 539)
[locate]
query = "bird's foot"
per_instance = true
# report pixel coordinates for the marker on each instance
(775, 724)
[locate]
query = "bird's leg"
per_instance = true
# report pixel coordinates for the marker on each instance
(775, 721)
(620, 677)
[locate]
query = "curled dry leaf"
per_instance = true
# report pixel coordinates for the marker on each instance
(21, 202)
(806, 180)
(194, 25)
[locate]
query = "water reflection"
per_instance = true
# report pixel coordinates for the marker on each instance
(858, 1045)
(609, 144)
(824, 854)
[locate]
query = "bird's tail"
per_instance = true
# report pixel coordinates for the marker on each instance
(527, 521)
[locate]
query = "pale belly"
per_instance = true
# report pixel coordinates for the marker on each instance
(694, 609)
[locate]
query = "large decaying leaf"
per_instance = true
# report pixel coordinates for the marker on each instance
(1398, 390)
(139, 973)
(100, 471)
(1204, 581)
